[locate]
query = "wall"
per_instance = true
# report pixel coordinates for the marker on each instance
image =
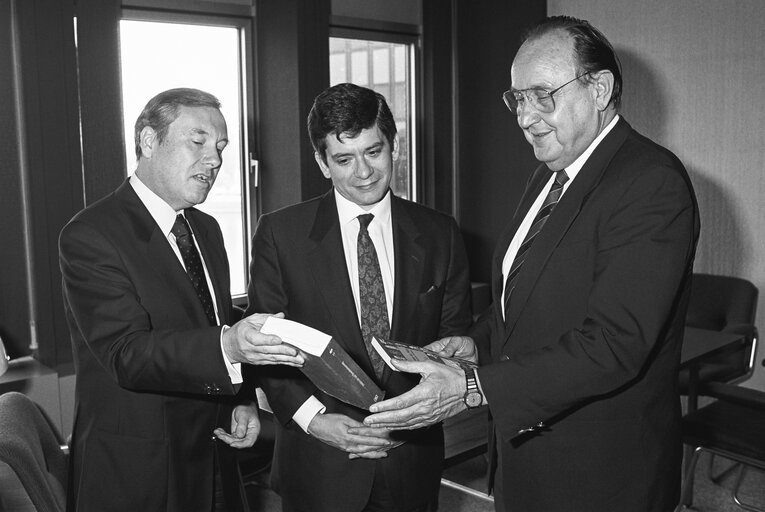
(693, 72)
(495, 160)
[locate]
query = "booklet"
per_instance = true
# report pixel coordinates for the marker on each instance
(389, 349)
(327, 364)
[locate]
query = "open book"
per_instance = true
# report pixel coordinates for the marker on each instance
(396, 350)
(327, 364)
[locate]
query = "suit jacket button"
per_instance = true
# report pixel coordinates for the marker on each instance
(505, 357)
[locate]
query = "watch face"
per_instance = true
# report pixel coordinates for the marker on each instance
(473, 399)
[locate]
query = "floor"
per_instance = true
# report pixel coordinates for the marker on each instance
(708, 496)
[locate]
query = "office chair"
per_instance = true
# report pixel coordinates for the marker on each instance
(732, 427)
(33, 449)
(727, 304)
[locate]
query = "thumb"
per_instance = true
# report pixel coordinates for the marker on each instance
(421, 367)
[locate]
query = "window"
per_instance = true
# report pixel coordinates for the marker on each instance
(388, 68)
(207, 57)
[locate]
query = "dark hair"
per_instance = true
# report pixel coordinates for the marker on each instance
(593, 51)
(348, 109)
(163, 108)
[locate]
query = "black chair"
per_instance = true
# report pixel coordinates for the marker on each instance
(733, 427)
(727, 304)
(34, 457)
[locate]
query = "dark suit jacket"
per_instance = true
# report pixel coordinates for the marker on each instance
(150, 373)
(298, 267)
(591, 346)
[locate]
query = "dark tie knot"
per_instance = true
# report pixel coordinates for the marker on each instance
(180, 228)
(364, 220)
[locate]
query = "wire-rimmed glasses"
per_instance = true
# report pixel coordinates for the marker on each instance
(537, 97)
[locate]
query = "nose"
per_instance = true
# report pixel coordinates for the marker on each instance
(213, 159)
(527, 115)
(363, 169)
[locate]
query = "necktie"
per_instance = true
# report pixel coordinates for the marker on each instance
(374, 311)
(539, 221)
(193, 263)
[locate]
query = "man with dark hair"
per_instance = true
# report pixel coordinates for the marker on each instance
(580, 351)
(354, 263)
(146, 291)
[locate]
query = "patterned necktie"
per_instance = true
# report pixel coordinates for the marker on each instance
(193, 263)
(539, 221)
(374, 311)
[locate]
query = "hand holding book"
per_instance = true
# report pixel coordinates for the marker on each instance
(456, 351)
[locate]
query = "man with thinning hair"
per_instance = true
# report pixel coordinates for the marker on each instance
(580, 351)
(146, 292)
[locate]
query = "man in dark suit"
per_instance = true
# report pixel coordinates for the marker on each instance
(590, 296)
(158, 372)
(308, 262)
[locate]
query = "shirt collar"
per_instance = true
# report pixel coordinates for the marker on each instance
(576, 166)
(347, 211)
(162, 213)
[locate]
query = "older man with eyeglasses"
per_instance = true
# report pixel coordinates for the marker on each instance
(579, 353)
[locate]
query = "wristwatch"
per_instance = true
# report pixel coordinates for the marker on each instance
(473, 397)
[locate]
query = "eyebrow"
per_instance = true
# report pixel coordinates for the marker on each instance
(376, 145)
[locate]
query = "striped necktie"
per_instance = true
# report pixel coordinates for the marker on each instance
(539, 221)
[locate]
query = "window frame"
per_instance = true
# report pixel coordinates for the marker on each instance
(397, 33)
(248, 175)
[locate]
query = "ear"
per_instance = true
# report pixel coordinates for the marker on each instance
(603, 87)
(394, 153)
(322, 165)
(147, 138)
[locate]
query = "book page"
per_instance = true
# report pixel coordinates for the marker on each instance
(298, 335)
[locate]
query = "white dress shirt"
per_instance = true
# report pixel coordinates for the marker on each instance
(572, 171)
(164, 215)
(381, 232)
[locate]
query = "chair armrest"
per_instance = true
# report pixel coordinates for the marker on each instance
(739, 395)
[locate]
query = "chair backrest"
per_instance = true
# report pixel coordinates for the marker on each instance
(728, 304)
(32, 447)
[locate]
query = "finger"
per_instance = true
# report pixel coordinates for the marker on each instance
(422, 367)
(223, 436)
(367, 431)
(368, 455)
(397, 417)
(393, 404)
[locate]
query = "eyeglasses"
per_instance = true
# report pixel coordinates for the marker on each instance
(538, 98)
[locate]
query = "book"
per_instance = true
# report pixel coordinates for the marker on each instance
(327, 364)
(389, 349)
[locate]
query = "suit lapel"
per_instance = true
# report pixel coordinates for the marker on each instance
(163, 261)
(327, 261)
(533, 189)
(409, 271)
(215, 261)
(559, 221)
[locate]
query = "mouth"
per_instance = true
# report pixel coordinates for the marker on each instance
(203, 178)
(368, 186)
(539, 135)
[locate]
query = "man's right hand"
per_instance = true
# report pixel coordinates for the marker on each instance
(366, 442)
(244, 343)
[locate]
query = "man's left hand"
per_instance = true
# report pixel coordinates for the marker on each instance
(245, 427)
(438, 396)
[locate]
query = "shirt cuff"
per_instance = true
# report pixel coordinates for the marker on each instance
(234, 369)
(307, 411)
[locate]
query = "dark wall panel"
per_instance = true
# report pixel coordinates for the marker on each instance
(494, 158)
